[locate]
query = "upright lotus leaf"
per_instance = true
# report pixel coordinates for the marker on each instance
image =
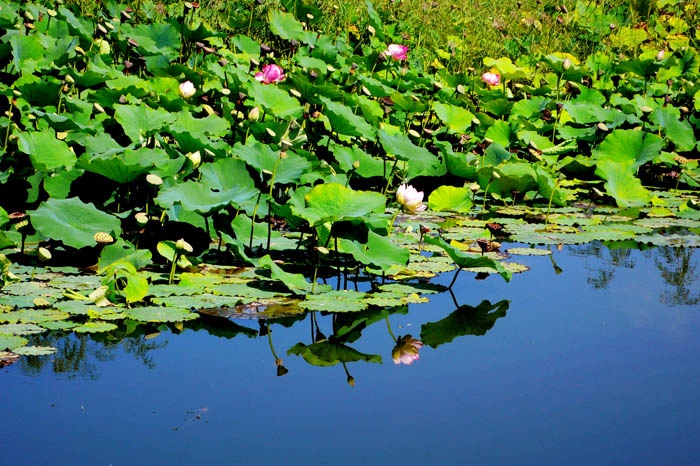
(344, 121)
(510, 178)
(379, 251)
(58, 185)
(27, 51)
(450, 199)
(73, 222)
(155, 38)
(419, 160)
(331, 202)
(330, 352)
(261, 157)
(506, 68)
(211, 125)
(629, 148)
(621, 183)
(465, 320)
(530, 107)
(124, 251)
(456, 118)
(548, 188)
(375, 20)
(45, 151)
(140, 121)
(369, 166)
(680, 133)
(285, 25)
(223, 182)
(136, 287)
(572, 73)
(275, 100)
(125, 167)
(501, 132)
(464, 260)
(644, 68)
(294, 281)
(461, 164)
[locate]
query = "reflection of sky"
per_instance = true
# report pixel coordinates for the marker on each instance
(571, 375)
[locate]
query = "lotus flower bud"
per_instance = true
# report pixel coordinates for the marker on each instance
(660, 55)
(492, 79)
(187, 89)
(356, 164)
(567, 63)
(183, 245)
(195, 158)
(460, 89)
(351, 380)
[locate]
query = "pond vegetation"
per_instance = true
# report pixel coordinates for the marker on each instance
(157, 171)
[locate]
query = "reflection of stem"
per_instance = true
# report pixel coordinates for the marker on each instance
(454, 279)
(454, 298)
(269, 340)
(388, 326)
(557, 269)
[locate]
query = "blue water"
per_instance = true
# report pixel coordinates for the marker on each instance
(594, 365)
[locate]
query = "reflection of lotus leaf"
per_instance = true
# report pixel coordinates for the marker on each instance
(329, 353)
(465, 320)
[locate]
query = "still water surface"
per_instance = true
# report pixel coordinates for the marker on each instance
(594, 362)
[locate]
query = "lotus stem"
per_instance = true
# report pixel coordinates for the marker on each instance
(172, 267)
(388, 326)
(454, 279)
(393, 219)
(549, 206)
(252, 225)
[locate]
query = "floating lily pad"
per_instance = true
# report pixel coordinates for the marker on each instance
(244, 291)
(95, 327)
(528, 252)
(33, 316)
(160, 314)
(59, 325)
(10, 342)
(35, 350)
(21, 329)
(335, 301)
(202, 301)
(512, 267)
(409, 288)
(161, 291)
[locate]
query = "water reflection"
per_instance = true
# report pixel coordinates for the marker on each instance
(331, 339)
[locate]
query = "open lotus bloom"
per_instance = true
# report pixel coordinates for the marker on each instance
(270, 74)
(410, 198)
(396, 51)
(406, 350)
(492, 79)
(187, 89)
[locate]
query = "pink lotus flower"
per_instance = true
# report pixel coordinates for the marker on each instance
(396, 51)
(270, 74)
(406, 350)
(492, 79)
(410, 198)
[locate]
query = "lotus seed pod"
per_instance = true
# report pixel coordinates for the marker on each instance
(476, 121)
(98, 108)
(414, 133)
(17, 217)
(283, 154)
(365, 91)
(141, 218)
(323, 250)
(43, 254)
(602, 127)
(22, 225)
(496, 176)
(69, 79)
(102, 29)
(295, 93)
(154, 179)
(437, 85)
(225, 91)
(270, 132)
(371, 30)
(51, 13)
(646, 109)
(183, 245)
(103, 238)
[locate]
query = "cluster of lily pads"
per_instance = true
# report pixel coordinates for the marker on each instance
(160, 154)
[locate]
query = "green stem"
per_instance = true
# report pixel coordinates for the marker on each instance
(391, 225)
(172, 268)
(549, 206)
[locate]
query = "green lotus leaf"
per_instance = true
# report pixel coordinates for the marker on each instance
(294, 281)
(335, 301)
(465, 320)
(677, 240)
(264, 160)
(160, 314)
(329, 353)
(124, 167)
(528, 252)
(413, 288)
(27, 51)
(622, 184)
(379, 251)
(211, 125)
(419, 160)
(679, 132)
(512, 267)
(285, 25)
(140, 121)
(59, 325)
(243, 291)
(45, 151)
(203, 301)
(464, 260)
(344, 121)
(73, 222)
(155, 38)
(629, 148)
(124, 251)
(331, 202)
(95, 327)
(35, 350)
(275, 100)
(10, 342)
(456, 118)
(21, 329)
(450, 199)
(369, 166)
(34, 316)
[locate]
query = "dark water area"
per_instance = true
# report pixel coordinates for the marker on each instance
(591, 359)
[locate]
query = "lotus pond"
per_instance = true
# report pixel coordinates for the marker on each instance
(220, 242)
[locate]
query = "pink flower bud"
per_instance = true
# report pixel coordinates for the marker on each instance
(270, 74)
(492, 79)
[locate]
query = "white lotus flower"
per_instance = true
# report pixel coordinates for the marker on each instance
(187, 89)
(410, 198)
(195, 158)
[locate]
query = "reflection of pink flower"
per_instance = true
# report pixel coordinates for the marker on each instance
(492, 79)
(406, 350)
(396, 51)
(410, 198)
(270, 74)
